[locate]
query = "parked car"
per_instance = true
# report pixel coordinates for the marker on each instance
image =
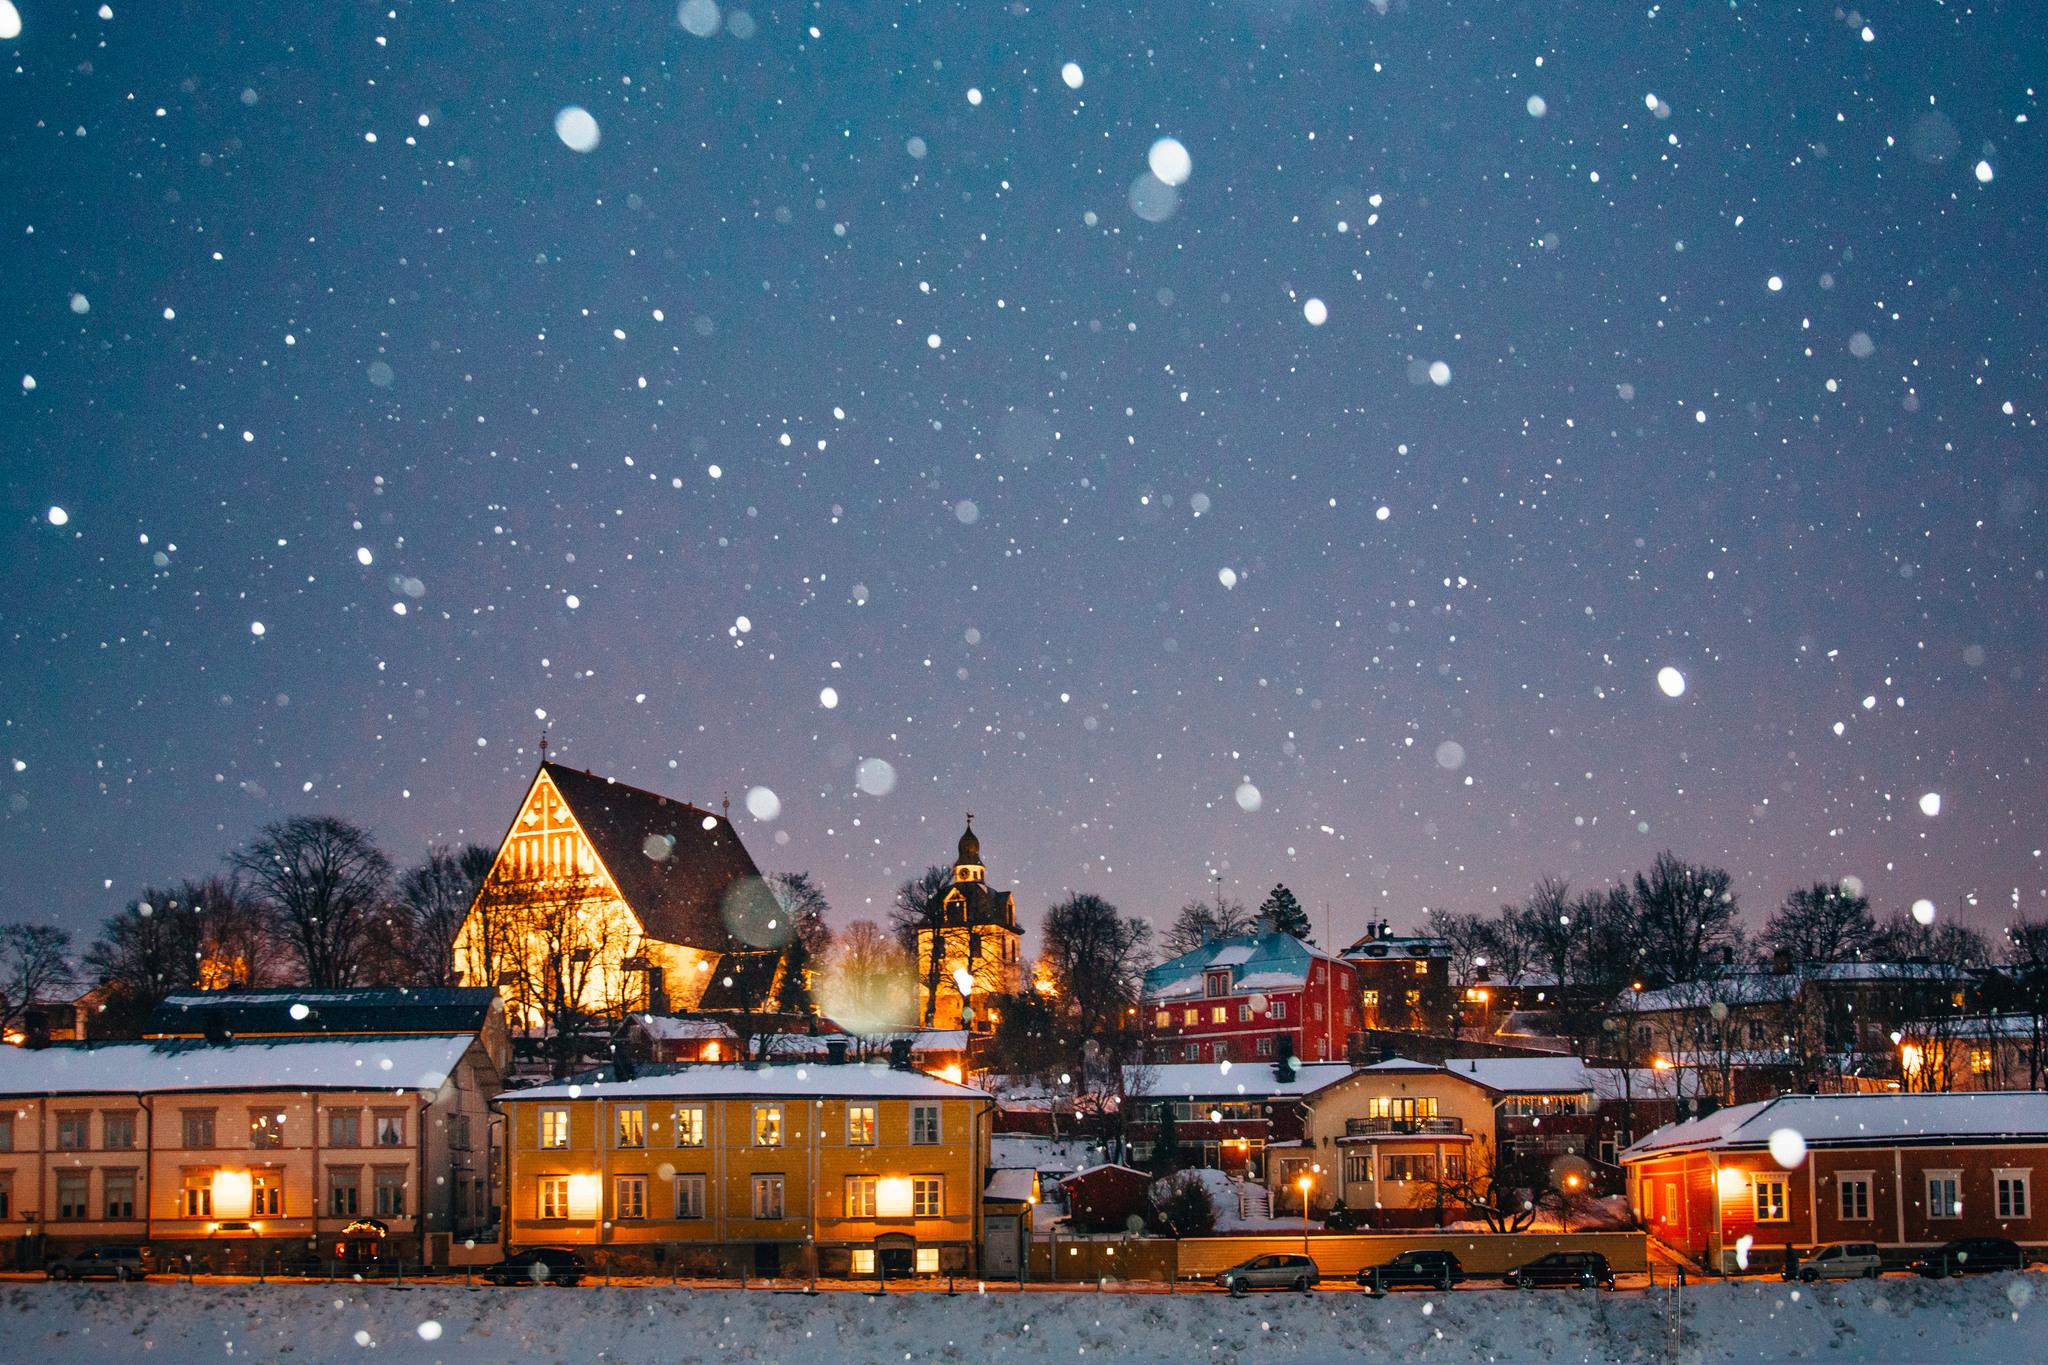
(1415, 1270)
(1842, 1261)
(1271, 1272)
(1566, 1269)
(541, 1265)
(98, 1263)
(1971, 1256)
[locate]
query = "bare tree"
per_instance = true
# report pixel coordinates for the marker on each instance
(2026, 961)
(322, 883)
(868, 984)
(434, 898)
(1094, 957)
(919, 901)
(194, 935)
(561, 956)
(1821, 923)
(1688, 917)
(35, 967)
(1487, 1185)
(1930, 973)
(1205, 921)
(803, 908)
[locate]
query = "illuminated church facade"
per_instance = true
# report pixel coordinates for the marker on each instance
(973, 951)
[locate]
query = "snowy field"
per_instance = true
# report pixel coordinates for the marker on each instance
(1896, 1321)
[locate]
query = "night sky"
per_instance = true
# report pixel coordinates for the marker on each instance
(1326, 518)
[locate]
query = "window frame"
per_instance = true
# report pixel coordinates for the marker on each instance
(629, 1198)
(551, 1199)
(1935, 1212)
(769, 1126)
(1783, 1200)
(344, 1128)
(111, 1181)
(860, 1196)
(689, 1195)
(630, 1121)
(72, 1198)
(920, 1135)
(200, 1122)
(2006, 1181)
(762, 1186)
(389, 1178)
(119, 1122)
(344, 1180)
(927, 1196)
(863, 1131)
(1845, 1181)
(692, 1121)
(552, 1131)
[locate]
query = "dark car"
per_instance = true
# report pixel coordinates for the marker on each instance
(1298, 1273)
(1415, 1270)
(1563, 1269)
(98, 1263)
(542, 1265)
(1971, 1256)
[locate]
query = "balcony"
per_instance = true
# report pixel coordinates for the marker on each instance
(1404, 1127)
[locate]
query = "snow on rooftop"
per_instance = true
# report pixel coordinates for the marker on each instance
(1966, 1116)
(1212, 1080)
(854, 1079)
(421, 1062)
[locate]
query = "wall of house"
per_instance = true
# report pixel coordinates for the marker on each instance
(814, 1159)
(1366, 1172)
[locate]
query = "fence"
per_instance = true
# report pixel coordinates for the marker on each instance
(1086, 1260)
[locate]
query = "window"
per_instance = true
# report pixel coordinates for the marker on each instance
(266, 1195)
(689, 1196)
(554, 1196)
(1316, 1011)
(120, 1193)
(72, 1130)
(690, 1126)
(1164, 1019)
(924, 1125)
(1417, 1166)
(860, 1196)
(927, 1262)
(198, 1127)
(1217, 983)
(390, 1194)
(767, 1125)
(1357, 1167)
(1369, 999)
(344, 1193)
(1944, 1194)
(863, 1262)
(632, 1127)
(1770, 1201)
(554, 1128)
(860, 1125)
(1852, 1196)
(1219, 1014)
(1980, 1061)
(266, 1131)
(391, 1130)
(73, 1192)
(767, 1196)
(458, 1132)
(195, 1199)
(6, 1132)
(344, 1128)
(629, 1196)
(1265, 1047)
(926, 1196)
(1244, 1011)
(1193, 1052)
(1190, 1015)
(2010, 1187)
(117, 1132)
(1277, 1010)
(6, 1195)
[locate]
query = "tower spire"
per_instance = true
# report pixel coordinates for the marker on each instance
(543, 746)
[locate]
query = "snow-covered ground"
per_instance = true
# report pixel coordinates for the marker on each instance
(1895, 1321)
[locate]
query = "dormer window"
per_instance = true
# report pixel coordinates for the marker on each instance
(1218, 982)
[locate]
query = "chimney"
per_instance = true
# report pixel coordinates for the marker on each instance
(216, 1024)
(35, 1028)
(657, 990)
(899, 1054)
(1284, 1068)
(625, 1066)
(835, 1052)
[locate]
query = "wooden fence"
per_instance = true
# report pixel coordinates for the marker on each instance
(1337, 1255)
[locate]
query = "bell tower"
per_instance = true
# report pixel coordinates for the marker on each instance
(970, 953)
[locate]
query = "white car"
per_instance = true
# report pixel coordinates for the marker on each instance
(1842, 1261)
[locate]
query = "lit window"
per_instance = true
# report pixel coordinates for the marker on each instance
(925, 1196)
(690, 1126)
(689, 1196)
(266, 1131)
(1190, 1015)
(860, 1196)
(629, 1196)
(927, 1261)
(1219, 1014)
(768, 1125)
(195, 1200)
(767, 1196)
(2011, 1189)
(860, 1125)
(863, 1262)
(266, 1196)
(1770, 1201)
(632, 1127)
(924, 1124)
(554, 1128)
(1164, 1020)
(1980, 1061)
(554, 1196)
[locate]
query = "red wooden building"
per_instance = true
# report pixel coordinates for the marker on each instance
(1904, 1171)
(1250, 999)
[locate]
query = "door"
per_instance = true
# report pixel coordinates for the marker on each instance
(767, 1260)
(999, 1259)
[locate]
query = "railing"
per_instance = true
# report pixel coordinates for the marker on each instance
(1377, 1127)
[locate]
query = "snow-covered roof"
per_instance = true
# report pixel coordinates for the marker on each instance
(1107, 1166)
(1223, 1080)
(854, 1080)
(1859, 1120)
(1257, 962)
(1526, 1075)
(1013, 1185)
(414, 1062)
(1762, 985)
(669, 1029)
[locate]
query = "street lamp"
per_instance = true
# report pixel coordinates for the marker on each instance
(1302, 1184)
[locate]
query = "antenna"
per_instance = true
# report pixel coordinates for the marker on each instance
(543, 746)
(725, 805)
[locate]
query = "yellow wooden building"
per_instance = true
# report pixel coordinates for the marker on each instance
(740, 1169)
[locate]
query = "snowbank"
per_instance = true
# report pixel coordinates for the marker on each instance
(1891, 1322)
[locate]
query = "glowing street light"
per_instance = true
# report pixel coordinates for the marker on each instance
(1302, 1184)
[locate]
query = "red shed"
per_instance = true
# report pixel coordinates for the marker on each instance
(1104, 1198)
